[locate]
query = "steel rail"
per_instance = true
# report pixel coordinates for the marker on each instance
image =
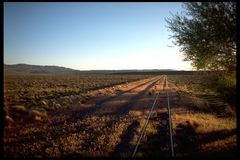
(145, 125)
(170, 121)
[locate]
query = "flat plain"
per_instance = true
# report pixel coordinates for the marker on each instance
(103, 116)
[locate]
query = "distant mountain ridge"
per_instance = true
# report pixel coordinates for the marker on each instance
(28, 69)
(40, 69)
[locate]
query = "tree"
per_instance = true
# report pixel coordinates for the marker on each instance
(206, 33)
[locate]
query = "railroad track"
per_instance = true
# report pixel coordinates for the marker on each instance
(165, 90)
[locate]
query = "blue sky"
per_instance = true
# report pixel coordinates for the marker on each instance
(90, 36)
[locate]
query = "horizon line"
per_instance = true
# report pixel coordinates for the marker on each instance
(97, 69)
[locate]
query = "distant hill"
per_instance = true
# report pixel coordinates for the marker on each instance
(36, 69)
(39, 69)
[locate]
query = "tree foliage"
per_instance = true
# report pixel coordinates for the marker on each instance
(206, 33)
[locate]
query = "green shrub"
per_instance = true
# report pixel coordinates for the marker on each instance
(227, 81)
(224, 85)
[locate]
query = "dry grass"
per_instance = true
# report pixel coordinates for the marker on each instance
(184, 88)
(17, 112)
(135, 138)
(206, 122)
(151, 92)
(220, 145)
(19, 108)
(200, 128)
(135, 113)
(37, 114)
(151, 142)
(204, 133)
(53, 92)
(101, 134)
(44, 102)
(8, 120)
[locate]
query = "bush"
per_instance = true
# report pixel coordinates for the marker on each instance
(18, 111)
(19, 108)
(224, 85)
(57, 106)
(227, 81)
(37, 114)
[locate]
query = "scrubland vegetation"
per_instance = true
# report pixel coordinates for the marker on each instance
(33, 96)
(216, 88)
(204, 123)
(204, 119)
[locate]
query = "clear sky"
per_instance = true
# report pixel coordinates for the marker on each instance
(89, 36)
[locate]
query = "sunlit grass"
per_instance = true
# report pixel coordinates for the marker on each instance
(206, 122)
(52, 92)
